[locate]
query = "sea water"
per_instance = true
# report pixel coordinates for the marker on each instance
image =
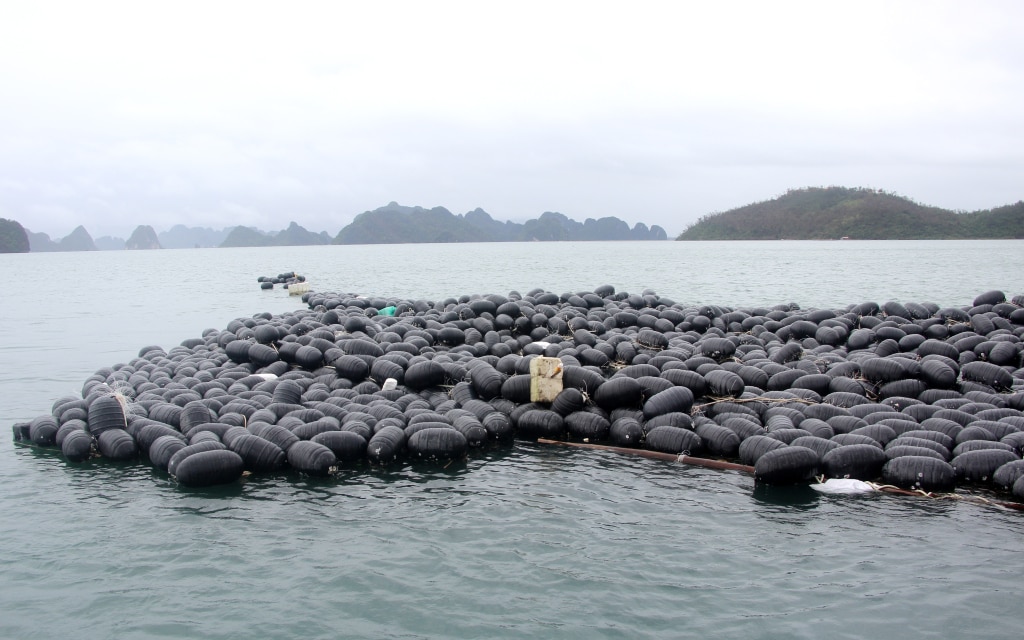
(520, 541)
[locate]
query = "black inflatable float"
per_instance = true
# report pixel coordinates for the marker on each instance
(287, 278)
(912, 394)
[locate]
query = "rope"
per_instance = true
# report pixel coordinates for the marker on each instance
(685, 458)
(699, 408)
(888, 488)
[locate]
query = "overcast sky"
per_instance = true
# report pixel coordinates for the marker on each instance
(215, 114)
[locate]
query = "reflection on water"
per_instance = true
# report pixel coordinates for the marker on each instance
(800, 497)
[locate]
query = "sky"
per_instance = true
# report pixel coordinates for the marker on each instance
(214, 114)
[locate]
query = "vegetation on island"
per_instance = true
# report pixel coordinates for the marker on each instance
(819, 213)
(13, 238)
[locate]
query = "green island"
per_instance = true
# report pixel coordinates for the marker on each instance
(834, 213)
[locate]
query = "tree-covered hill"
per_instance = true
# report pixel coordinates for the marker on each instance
(1001, 222)
(13, 238)
(863, 214)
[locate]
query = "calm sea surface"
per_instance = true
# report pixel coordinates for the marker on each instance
(525, 541)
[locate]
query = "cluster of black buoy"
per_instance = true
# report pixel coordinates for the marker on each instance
(287, 279)
(914, 395)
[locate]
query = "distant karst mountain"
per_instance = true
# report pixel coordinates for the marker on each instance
(181, 237)
(109, 243)
(800, 214)
(39, 242)
(144, 237)
(397, 224)
(245, 237)
(77, 240)
(13, 237)
(556, 226)
(294, 235)
(818, 213)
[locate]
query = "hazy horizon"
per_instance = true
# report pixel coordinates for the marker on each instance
(168, 228)
(219, 114)
(160, 230)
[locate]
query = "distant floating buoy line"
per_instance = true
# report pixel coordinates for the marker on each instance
(919, 397)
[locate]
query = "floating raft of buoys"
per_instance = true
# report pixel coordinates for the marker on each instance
(294, 283)
(918, 397)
